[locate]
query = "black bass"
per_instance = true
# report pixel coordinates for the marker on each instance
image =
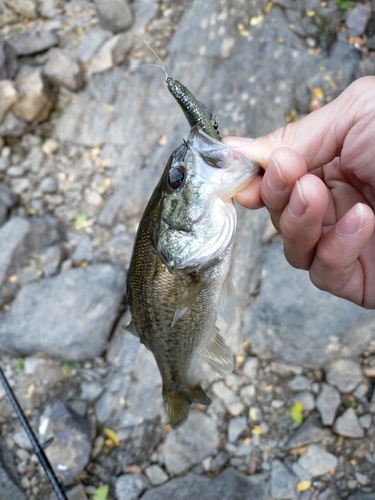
(178, 279)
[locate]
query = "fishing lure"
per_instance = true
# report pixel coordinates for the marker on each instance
(195, 112)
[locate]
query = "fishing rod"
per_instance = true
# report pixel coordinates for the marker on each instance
(60, 493)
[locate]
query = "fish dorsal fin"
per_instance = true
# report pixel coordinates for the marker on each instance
(130, 327)
(227, 309)
(217, 354)
(187, 298)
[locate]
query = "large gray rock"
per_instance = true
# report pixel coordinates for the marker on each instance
(35, 96)
(20, 240)
(345, 374)
(282, 323)
(64, 71)
(115, 15)
(130, 486)
(328, 403)
(10, 487)
(229, 485)
(317, 461)
(348, 425)
(283, 484)
(70, 449)
(33, 41)
(191, 443)
(68, 316)
(131, 401)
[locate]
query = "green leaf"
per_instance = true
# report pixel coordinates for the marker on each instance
(296, 412)
(102, 492)
(345, 4)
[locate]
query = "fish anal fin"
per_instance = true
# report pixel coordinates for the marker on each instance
(217, 354)
(177, 406)
(187, 298)
(227, 309)
(130, 327)
(199, 396)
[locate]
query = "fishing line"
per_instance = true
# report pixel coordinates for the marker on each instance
(33, 439)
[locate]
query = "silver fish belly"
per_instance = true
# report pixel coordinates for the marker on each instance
(178, 279)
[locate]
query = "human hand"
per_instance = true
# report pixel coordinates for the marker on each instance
(319, 187)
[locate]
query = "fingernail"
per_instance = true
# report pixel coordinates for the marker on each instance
(274, 177)
(237, 142)
(352, 221)
(297, 204)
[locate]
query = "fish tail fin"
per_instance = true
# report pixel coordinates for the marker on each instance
(178, 404)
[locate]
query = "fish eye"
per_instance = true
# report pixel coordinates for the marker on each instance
(176, 177)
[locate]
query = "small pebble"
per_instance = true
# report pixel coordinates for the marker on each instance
(49, 185)
(50, 147)
(300, 383)
(347, 425)
(16, 171)
(156, 475)
(94, 198)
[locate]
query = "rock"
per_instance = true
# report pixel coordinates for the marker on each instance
(130, 486)
(70, 449)
(20, 184)
(250, 368)
(49, 185)
(229, 485)
(13, 126)
(62, 70)
(282, 482)
(77, 493)
(307, 400)
(20, 240)
(8, 60)
(361, 496)
(345, 374)
(25, 8)
(7, 16)
(348, 425)
(328, 403)
(131, 401)
(317, 461)
(33, 41)
(365, 421)
(12, 236)
(156, 475)
(309, 432)
(8, 96)
(115, 15)
(300, 383)
(16, 171)
(50, 259)
(50, 147)
(94, 198)
(112, 53)
(185, 447)
(357, 19)
(9, 479)
(91, 42)
(229, 398)
(284, 293)
(78, 329)
(90, 391)
(7, 200)
(83, 251)
(35, 97)
(21, 439)
(235, 428)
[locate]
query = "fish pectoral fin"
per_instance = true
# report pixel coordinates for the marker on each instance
(187, 298)
(177, 406)
(217, 354)
(130, 327)
(227, 309)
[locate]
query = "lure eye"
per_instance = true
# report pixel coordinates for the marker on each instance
(176, 177)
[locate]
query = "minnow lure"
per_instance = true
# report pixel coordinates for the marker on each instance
(195, 112)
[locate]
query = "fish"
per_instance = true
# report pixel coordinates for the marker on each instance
(178, 279)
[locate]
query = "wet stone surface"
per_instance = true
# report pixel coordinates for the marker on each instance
(83, 141)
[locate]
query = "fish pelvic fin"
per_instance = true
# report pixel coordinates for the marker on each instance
(217, 354)
(178, 404)
(130, 327)
(227, 308)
